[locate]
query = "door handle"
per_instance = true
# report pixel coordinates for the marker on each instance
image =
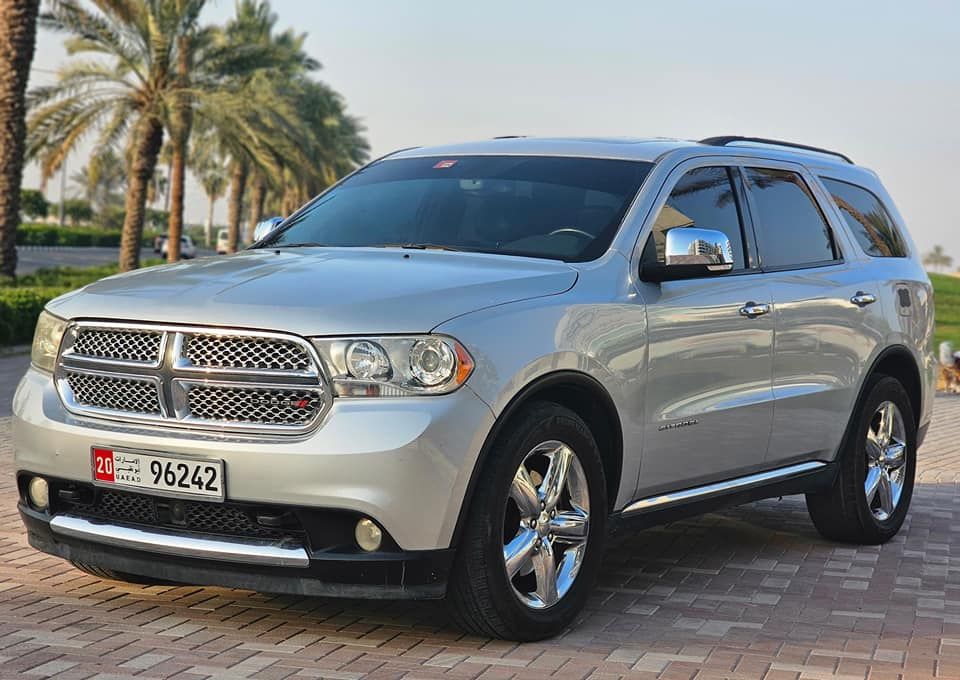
(752, 310)
(862, 299)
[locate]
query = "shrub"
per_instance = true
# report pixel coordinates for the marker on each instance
(33, 204)
(19, 309)
(52, 235)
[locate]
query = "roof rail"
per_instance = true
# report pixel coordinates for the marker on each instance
(724, 141)
(510, 137)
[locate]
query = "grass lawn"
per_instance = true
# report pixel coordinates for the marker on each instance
(946, 292)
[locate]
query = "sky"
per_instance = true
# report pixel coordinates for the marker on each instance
(877, 80)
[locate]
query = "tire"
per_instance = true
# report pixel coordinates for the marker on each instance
(844, 513)
(481, 597)
(112, 575)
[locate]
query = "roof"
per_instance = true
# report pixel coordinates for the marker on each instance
(624, 148)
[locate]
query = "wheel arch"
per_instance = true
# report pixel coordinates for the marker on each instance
(897, 362)
(582, 394)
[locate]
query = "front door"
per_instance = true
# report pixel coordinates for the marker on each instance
(709, 400)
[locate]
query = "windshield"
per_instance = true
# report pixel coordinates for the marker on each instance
(559, 208)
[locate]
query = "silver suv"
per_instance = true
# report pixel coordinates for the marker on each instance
(455, 372)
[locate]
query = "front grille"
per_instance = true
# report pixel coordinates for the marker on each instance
(246, 381)
(224, 351)
(107, 343)
(130, 395)
(225, 519)
(265, 406)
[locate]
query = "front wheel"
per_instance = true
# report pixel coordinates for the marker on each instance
(534, 535)
(871, 495)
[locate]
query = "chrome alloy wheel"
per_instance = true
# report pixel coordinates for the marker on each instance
(886, 460)
(546, 524)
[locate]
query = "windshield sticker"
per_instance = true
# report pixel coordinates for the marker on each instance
(444, 164)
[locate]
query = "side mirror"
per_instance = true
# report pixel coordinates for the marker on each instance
(265, 228)
(690, 253)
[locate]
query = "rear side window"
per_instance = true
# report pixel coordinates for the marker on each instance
(704, 198)
(868, 219)
(791, 229)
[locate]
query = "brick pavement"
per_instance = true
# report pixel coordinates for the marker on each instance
(744, 594)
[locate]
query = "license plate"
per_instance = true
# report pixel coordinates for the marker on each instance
(163, 474)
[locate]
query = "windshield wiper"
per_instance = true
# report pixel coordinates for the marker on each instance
(418, 246)
(299, 245)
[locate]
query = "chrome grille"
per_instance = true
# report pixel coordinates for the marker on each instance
(266, 406)
(129, 395)
(192, 377)
(231, 351)
(107, 343)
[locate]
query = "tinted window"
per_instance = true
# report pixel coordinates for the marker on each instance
(702, 198)
(559, 208)
(869, 221)
(791, 229)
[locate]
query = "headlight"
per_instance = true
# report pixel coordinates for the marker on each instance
(395, 366)
(46, 341)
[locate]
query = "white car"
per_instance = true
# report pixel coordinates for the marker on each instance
(223, 240)
(188, 249)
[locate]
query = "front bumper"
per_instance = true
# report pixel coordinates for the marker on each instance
(404, 462)
(400, 575)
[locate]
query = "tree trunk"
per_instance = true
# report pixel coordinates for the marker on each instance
(208, 225)
(147, 139)
(181, 123)
(175, 221)
(258, 194)
(18, 31)
(238, 183)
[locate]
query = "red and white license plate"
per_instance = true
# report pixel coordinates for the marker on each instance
(165, 475)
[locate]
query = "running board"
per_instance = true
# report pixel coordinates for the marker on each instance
(699, 493)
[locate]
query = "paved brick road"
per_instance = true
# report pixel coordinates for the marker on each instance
(749, 593)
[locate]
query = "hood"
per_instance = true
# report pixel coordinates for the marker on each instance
(319, 291)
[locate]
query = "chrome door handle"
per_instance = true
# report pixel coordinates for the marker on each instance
(862, 299)
(752, 310)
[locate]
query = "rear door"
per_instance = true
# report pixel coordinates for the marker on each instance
(821, 294)
(708, 396)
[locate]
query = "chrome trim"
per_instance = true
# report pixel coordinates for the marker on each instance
(180, 392)
(67, 395)
(70, 337)
(862, 299)
(699, 492)
(173, 369)
(170, 543)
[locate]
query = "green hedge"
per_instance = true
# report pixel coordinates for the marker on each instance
(19, 309)
(22, 300)
(52, 235)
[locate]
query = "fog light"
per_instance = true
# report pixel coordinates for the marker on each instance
(368, 535)
(39, 493)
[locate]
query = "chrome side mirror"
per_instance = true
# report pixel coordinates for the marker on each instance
(266, 227)
(691, 252)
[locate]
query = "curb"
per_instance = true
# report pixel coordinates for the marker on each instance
(14, 350)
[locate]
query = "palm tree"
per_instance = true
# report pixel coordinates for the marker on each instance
(937, 259)
(209, 168)
(273, 136)
(102, 180)
(128, 95)
(18, 30)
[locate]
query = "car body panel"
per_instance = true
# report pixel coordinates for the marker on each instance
(314, 291)
(400, 461)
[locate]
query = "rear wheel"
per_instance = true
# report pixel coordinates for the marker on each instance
(534, 535)
(870, 498)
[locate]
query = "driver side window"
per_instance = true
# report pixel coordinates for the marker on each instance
(703, 198)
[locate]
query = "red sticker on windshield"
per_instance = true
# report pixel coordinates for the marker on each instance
(444, 164)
